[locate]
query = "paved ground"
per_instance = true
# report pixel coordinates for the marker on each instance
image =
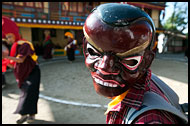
(67, 93)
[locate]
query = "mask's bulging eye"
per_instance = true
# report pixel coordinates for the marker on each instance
(92, 52)
(132, 62)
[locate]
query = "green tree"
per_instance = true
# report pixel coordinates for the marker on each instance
(178, 20)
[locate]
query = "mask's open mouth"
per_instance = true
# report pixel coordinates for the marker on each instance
(107, 83)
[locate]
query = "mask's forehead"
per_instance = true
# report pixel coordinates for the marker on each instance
(119, 40)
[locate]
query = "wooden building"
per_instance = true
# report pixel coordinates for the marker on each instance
(175, 42)
(34, 17)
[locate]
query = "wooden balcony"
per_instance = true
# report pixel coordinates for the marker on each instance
(42, 13)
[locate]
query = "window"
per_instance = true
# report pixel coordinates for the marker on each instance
(80, 7)
(30, 4)
(65, 6)
(38, 4)
(7, 2)
(18, 3)
(73, 6)
(46, 7)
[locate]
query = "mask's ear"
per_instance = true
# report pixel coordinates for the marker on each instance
(147, 61)
(149, 58)
(84, 46)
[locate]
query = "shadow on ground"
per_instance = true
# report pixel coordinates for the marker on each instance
(171, 69)
(37, 121)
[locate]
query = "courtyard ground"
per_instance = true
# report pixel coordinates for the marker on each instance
(67, 95)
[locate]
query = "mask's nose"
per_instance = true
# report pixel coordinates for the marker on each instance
(107, 65)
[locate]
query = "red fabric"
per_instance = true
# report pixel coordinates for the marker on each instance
(134, 99)
(72, 46)
(156, 117)
(8, 26)
(3, 36)
(22, 70)
(48, 38)
(48, 46)
(13, 49)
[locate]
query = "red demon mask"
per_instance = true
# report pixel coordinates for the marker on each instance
(117, 46)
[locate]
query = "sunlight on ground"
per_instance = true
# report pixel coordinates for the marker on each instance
(43, 109)
(10, 102)
(41, 87)
(179, 87)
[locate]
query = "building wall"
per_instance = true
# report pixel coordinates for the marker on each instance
(26, 33)
(155, 17)
(176, 45)
(59, 39)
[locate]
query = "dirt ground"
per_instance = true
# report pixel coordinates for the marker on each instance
(72, 82)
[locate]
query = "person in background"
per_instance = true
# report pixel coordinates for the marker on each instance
(26, 70)
(5, 50)
(47, 45)
(71, 46)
